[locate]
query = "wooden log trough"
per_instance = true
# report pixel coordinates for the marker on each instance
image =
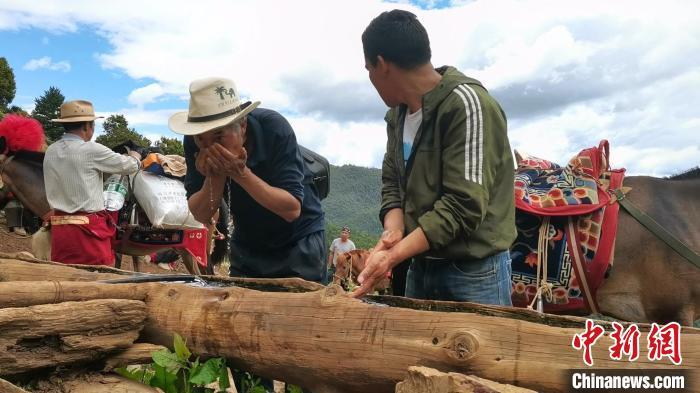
(320, 338)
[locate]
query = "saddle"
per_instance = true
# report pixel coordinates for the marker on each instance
(567, 221)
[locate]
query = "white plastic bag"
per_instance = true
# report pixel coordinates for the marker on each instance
(164, 201)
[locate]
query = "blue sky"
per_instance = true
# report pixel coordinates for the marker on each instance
(79, 49)
(86, 78)
(566, 73)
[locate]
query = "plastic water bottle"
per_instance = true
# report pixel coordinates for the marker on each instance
(115, 192)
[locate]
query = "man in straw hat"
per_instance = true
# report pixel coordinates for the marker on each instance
(250, 156)
(81, 228)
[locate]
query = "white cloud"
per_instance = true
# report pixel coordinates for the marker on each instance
(361, 144)
(146, 94)
(46, 63)
(143, 117)
(567, 73)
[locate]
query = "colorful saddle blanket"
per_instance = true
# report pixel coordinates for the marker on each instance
(564, 214)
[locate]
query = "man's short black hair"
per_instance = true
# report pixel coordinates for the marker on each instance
(398, 37)
(74, 126)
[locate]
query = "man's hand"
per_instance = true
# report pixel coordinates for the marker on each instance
(389, 239)
(378, 264)
(221, 161)
(217, 160)
(200, 163)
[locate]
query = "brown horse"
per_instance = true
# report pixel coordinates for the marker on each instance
(349, 265)
(22, 174)
(649, 281)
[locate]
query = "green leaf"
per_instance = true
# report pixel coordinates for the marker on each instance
(224, 383)
(294, 389)
(181, 348)
(257, 389)
(167, 359)
(164, 379)
(141, 374)
(208, 372)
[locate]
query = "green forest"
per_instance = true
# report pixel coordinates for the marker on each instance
(354, 201)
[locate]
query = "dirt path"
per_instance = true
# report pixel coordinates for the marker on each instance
(9, 242)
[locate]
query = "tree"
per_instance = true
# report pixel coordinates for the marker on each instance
(116, 131)
(171, 146)
(7, 85)
(48, 107)
(17, 110)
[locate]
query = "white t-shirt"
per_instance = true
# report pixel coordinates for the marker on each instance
(338, 246)
(411, 124)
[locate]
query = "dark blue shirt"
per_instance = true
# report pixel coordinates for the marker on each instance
(273, 156)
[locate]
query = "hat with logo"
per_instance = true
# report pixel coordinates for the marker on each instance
(214, 103)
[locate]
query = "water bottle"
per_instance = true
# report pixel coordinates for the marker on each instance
(115, 192)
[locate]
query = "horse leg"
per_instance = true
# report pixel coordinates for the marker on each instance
(687, 315)
(617, 301)
(118, 261)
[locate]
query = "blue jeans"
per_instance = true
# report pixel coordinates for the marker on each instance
(485, 281)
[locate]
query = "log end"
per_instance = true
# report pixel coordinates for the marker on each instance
(462, 346)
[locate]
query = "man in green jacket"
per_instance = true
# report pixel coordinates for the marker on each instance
(447, 193)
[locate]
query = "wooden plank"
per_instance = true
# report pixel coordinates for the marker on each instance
(13, 267)
(91, 382)
(139, 353)
(429, 380)
(6, 387)
(326, 341)
(59, 334)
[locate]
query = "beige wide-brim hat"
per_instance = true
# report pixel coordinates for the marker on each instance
(214, 103)
(75, 111)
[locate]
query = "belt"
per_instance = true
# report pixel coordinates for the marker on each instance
(70, 220)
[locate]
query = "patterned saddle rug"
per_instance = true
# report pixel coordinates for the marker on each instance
(566, 222)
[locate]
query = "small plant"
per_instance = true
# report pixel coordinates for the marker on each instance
(173, 372)
(251, 384)
(294, 389)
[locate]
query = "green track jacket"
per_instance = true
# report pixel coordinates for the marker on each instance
(458, 182)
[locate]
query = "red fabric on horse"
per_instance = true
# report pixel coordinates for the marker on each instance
(546, 189)
(579, 196)
(88, 243)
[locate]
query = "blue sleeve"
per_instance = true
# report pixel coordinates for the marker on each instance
(193, 179)
(286, 160)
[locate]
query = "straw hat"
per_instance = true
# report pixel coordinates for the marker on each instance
(214, 103)
(75, 111)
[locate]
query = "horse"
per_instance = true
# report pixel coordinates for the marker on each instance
(22, 175)
(350, 264)
(649, 281)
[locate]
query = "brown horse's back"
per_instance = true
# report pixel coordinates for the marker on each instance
(649, 281)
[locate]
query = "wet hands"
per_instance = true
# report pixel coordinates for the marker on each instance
(389, 239)
(378, 264)
(220, 160)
